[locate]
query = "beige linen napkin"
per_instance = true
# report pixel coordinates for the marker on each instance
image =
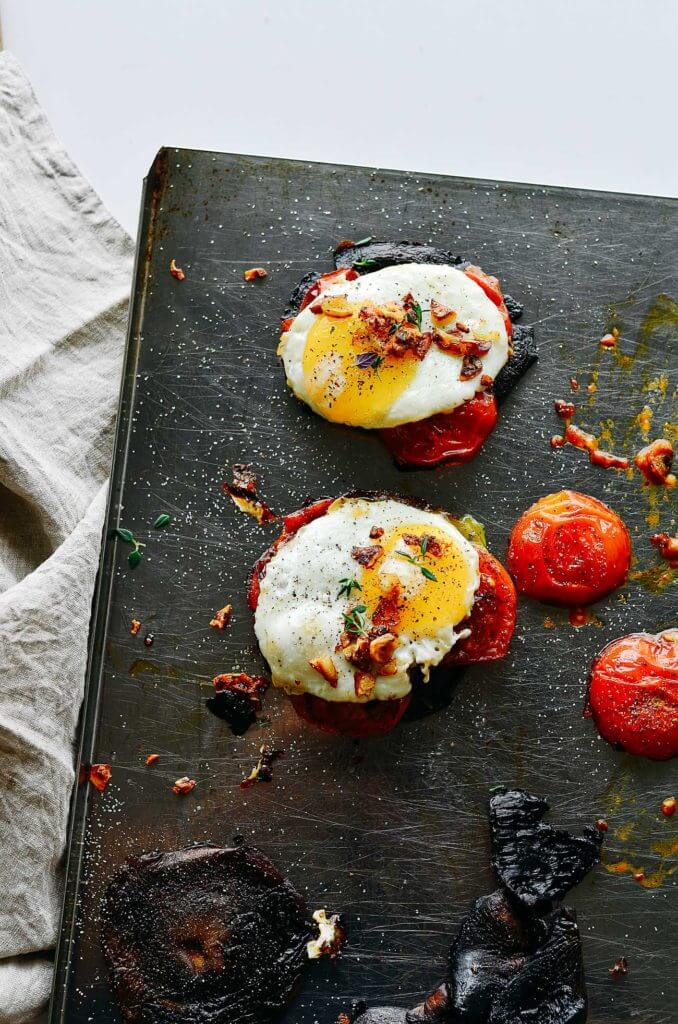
(65, 272)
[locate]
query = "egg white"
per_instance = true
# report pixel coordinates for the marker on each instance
(436, 386)
(299, 615)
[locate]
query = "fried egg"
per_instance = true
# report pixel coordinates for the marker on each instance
(365, 567)
(320, 352)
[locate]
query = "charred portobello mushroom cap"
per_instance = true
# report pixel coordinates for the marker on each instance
(204, 934)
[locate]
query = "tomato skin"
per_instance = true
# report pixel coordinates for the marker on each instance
(492, 289)
(569, 549)
(325, 281)
(492, 619)
(373, 718)
(633, 694)
(448, 437)
(291, 523)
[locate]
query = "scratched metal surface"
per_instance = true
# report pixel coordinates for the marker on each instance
(391, 832)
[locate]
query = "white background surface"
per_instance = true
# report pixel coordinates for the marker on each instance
(571, 92)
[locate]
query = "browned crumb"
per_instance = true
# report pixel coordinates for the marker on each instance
(176, 271)
(222, 617)
(184, 785)
(255, 273)
(135, 627)
(99, 776)
(152, 758)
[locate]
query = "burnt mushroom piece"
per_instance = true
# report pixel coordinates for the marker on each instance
(203, 934)
(535, 861)
(509, 965)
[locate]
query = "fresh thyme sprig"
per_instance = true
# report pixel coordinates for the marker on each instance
(414, 315)
(354, 621)
(347, 584)
(417, 560)
(134, 557)
(365, 264)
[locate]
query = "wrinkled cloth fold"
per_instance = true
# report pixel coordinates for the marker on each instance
(65, 272)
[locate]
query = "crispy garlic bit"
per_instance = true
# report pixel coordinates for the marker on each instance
(184, 785)
(176, 271)
(330, 939)
(255, 274)
(222, 617)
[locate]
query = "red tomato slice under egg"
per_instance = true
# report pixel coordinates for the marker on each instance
(448, 437)
(492, 619)
(374, 718)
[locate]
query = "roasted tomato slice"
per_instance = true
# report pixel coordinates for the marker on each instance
(492, 619)
(374, 718)
(633, 694)
(492, 289)
(325, 281)
(291, 523)
(449, 437)
(570, 549)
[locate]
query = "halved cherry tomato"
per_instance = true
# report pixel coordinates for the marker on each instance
(569, 549)
(448, 437)
(492, 619)
(291, 523)
(325, 281)
(374, 718)
(492, 289)
(633, 694)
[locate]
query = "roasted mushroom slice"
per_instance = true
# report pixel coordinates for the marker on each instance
(535, 861)
(204, 934)
(508, 965)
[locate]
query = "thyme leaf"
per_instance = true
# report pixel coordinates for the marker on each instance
(347, 584)
(417, 561)
(354, 621)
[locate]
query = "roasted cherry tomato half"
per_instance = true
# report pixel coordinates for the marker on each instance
(448, 437)
(570, 549)
(492, 619)
(374, 718)
(633, 694)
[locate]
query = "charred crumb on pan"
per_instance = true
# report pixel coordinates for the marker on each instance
(204, 933)
(263, 769)
(537, 862)
(243, 491)
(237, 699)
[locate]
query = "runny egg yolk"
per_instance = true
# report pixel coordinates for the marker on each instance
(340, 388)
(399, 595)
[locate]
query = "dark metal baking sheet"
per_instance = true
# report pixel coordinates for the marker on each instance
(391, 832)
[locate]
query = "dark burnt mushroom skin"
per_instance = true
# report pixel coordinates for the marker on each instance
(523, 357)
(508, 965)
(535, 861)
(377, 255)
(203, 934)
